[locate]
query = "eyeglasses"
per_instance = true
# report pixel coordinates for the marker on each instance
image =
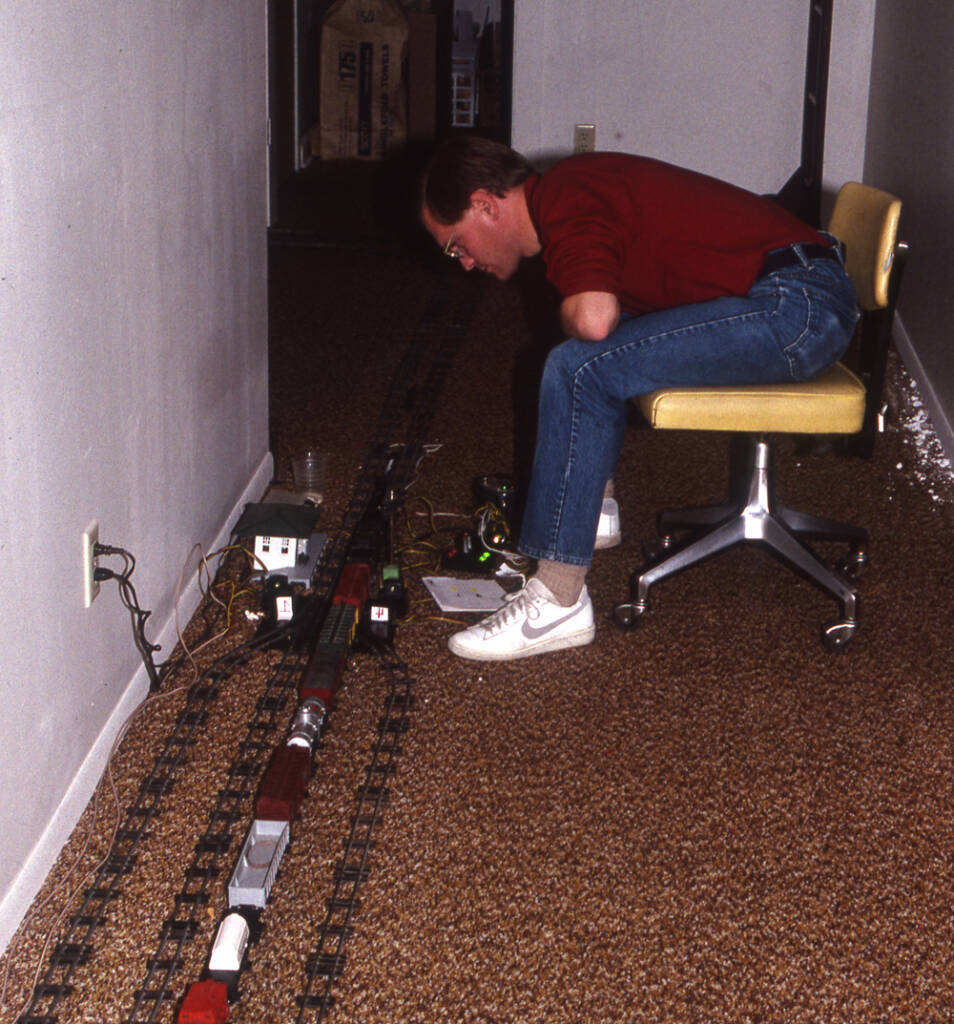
(452, 249)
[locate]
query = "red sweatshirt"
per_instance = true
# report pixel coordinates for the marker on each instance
(655, 235)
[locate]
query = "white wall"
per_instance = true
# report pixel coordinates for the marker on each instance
(716, 86)
(133, 343)
(848, 87)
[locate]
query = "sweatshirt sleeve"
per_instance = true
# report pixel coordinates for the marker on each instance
(581, 245)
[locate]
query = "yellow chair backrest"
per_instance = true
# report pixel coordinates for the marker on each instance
(865, 220)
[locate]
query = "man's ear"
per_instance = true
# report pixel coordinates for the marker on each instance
(485, 203)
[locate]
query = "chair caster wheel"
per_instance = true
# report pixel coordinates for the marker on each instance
(837, 635)
(656, 549)
(850, 566)
(627, 615)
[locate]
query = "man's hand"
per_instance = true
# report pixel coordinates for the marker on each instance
(589, 316)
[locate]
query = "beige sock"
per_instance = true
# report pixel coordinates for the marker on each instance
(609, 491)
(563, 580)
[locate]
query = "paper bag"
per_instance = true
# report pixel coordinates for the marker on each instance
(363, 101)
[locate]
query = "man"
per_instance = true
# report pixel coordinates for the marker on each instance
(668, 277)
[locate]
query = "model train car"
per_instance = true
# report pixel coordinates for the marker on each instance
(206, 1002)
(282, 790)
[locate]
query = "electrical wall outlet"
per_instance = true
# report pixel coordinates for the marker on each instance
(90, 561)
(584, 138)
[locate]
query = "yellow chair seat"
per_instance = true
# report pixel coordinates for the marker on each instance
(833, 403)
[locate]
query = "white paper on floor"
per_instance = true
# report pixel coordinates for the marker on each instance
(453, 595)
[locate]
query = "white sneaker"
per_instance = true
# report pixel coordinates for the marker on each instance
(531, 622)
(608, 532)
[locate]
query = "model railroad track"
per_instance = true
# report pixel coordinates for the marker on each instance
(75, 949)
(326, 962)
(214, 845)
(438, 334)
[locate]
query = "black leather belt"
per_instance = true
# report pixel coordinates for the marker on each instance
(788, 257)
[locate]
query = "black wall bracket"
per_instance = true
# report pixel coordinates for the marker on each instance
(801, 194)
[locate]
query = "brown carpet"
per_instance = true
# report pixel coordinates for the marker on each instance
(708, 819)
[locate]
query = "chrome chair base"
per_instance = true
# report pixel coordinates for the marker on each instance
(758, 518)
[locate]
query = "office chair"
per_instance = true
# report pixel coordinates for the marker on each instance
(838, 402)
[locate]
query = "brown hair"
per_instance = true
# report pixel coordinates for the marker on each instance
(462, 165)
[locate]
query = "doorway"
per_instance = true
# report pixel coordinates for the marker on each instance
(459, 79)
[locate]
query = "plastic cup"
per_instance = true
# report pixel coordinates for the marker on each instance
(308, 473)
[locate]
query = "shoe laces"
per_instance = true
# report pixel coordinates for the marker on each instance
(522, 603)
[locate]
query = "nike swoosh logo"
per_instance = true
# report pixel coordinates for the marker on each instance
(535, 632)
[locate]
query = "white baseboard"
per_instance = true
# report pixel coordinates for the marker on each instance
(33, 873)
(932, 401)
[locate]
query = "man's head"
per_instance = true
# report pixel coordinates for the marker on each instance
(472, 204)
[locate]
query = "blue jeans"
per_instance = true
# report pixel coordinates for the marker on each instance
(792, 325)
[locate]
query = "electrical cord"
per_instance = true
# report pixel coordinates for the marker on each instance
(208, 591)
(138, 615)
(493, 531)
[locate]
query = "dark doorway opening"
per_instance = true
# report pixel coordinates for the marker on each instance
(458, 77)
